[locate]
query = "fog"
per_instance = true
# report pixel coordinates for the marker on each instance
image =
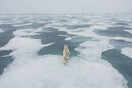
(65, 6)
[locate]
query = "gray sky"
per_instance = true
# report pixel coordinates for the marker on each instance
(64, 6)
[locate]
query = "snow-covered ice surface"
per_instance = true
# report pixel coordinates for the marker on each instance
(1, 30)
(127, 51)
(130, 31)
(37, 46)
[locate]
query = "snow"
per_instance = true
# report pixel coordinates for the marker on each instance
(1, 30)
(127, 51)
(122, 38)
(17, 25)
(32, 71)
(69, 38)
(129, 31)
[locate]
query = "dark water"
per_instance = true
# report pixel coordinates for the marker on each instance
(121, 62)
(4, 39)
(4, 61)
(58, 46)
(119, 44)
(115, 32)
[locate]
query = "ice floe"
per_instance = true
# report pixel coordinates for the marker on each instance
(1, 30)
(129, 31)
(127, 51)
(86, 70)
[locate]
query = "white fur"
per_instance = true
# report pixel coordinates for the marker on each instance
(66, 53)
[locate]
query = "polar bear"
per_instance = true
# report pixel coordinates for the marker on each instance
(66, 53)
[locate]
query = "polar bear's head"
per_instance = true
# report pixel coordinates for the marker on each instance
(65, 46)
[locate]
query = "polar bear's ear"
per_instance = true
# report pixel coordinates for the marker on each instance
(65, 45)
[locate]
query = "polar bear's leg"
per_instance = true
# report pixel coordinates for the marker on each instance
(64, 60)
